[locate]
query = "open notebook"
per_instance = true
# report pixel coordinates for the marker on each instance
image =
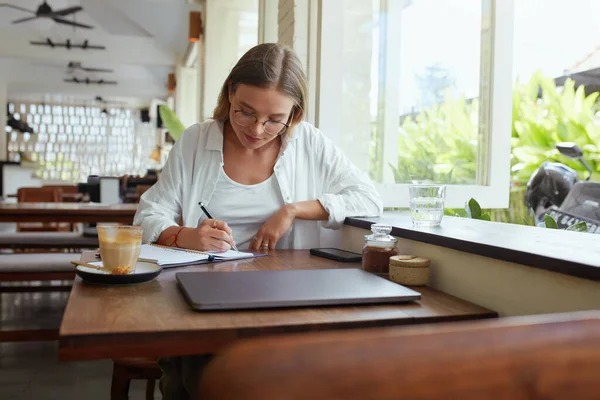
(174, 257)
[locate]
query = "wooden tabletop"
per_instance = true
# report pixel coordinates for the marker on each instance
(67, 212)
(154, 319)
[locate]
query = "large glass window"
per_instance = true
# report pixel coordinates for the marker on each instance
(556, 80)
(232, 29)
(411, 91)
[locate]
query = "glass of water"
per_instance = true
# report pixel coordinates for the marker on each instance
(427, 204)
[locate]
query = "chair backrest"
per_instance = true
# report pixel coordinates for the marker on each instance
(141, 189)
(39, 195)
(538, 357)
(64, 188)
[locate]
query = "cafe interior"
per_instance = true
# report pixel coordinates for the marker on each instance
(96, 94)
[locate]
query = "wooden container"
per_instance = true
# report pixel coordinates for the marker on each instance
(409, 270)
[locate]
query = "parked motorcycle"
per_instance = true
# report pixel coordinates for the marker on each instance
(555, 189)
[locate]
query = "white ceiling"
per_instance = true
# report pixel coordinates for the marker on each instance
(144, 39)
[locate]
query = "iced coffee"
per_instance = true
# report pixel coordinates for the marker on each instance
(120, 247)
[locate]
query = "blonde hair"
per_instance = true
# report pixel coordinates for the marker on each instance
(268, 65)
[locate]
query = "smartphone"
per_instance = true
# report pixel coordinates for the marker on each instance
(337, 254)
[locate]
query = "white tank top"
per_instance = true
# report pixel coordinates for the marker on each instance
(246, 208)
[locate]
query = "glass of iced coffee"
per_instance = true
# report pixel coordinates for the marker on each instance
(119, 247)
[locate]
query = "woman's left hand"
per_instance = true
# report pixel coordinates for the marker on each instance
(269, 234)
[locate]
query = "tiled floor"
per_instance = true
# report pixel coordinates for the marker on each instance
(31, 370)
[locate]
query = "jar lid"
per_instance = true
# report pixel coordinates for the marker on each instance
(381, 234)
(409, 261)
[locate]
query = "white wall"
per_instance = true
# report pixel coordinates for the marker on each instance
(505, 287)
(3, 101)
(187, 106)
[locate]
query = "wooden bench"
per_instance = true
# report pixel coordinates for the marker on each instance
(36, 267)
(539, 357)
(46, 240)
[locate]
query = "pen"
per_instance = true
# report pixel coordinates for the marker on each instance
(205, 211)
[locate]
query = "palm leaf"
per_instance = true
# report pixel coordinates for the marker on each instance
(171, 121)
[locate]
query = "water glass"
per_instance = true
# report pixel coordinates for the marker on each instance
(427, 204)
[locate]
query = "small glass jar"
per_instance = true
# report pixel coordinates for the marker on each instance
(378, 249)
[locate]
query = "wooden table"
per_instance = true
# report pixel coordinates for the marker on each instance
(66, 212)
(154, 319)
(66, 197)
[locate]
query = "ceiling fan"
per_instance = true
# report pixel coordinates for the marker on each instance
(102, 100)
(68, 45)
(89, 81)
(76, 65)
(45, 11)
(108, 103)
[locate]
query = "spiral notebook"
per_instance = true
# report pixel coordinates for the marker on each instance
(168, 257)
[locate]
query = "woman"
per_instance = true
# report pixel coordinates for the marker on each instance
(269, 179)
(264, 175)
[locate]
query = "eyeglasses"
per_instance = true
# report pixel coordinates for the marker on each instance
(270, 127)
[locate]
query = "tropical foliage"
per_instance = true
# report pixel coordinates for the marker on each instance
(440, 144)
(171, 121)
(473, 210)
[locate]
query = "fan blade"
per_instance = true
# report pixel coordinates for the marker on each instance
(65, 11)
(96, 69)
(18, 21)
(17, 8)
(48, 42)
(67, 22)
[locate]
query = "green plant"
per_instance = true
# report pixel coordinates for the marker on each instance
(544, 116)
(442, 140)
(170, 120)
(473, 210)
(439, 142)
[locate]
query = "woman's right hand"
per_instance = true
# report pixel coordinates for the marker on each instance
(210, 235)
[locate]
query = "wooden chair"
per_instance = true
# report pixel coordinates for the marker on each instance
(63, 188)
(126, 369)
(537, 357)
(39, 195)
(140, 190)
(69, 193)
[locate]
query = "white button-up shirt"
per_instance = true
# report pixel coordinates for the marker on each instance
(309, 167)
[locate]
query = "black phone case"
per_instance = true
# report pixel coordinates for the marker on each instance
(323, 253)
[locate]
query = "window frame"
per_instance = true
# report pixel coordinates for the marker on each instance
(493, 172)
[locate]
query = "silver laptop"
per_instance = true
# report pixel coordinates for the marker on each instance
(294, 288)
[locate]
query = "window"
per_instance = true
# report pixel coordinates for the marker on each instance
(235, 30)
(60, 155)
(420, 90)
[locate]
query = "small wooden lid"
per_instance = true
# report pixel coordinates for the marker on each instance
(409, 261)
